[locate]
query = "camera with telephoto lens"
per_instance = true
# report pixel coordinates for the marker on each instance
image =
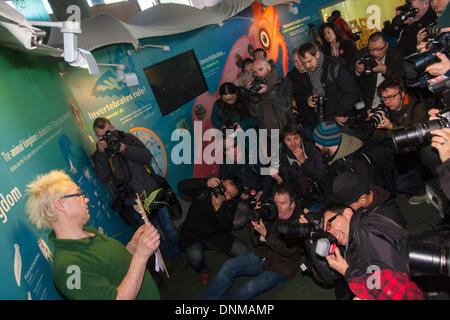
(311, 230)
(113, 140)
(369, 63)
(359, 119)
(256, 84)
(429, 258)
(420, 134)
(268, 211)
(415, 64)
(319, 100)
(218, 190)
(358, 115)
(432, 31)
(407, 11)
(376, 118)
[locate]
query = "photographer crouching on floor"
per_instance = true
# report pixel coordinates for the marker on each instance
(123, 161)
(276, 258)
(399, 110)
(209, 221)
(359, 243)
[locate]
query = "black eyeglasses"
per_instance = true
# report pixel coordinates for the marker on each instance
(389, 98)
(78, 194)
(377, 49)
(328, 226)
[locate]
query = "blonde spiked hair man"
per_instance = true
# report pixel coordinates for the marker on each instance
(88, 265)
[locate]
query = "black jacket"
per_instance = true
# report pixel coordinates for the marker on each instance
(281, 254)
(250, 176)
(302, 90)
(443, 171)
(202, 222)
(131, 167)
(384, 204)
(408, 37)
(368, 84)
(374, 240)
(274, 107)
(372, 162)
(347, 51)
(301, 177)
(340, 89)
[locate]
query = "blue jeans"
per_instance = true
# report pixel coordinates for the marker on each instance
(196, 253)
(244, 265)
(167, 232)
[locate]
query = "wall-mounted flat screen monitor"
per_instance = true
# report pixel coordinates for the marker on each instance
(176, 81)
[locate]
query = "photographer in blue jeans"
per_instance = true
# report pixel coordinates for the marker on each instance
(275, 260)
(123, 161)
(209, 221)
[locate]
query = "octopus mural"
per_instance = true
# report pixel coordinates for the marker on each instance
(263, 33)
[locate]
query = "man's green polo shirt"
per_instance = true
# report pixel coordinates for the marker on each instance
(92, 268)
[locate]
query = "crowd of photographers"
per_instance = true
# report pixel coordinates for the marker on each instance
(356, 128)
(362, 126)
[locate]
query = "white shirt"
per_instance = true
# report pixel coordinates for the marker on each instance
(376, 99)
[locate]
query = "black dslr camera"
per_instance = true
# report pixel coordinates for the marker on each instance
(256, 84)
(407, 11)
(369, 63)
(320, 101)
(113, 140)
(218, 190)
(356, 36)
(376, 118)
(359, 119)
(268, 211)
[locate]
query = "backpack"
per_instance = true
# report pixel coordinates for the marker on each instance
(382, 159)
(377, 161)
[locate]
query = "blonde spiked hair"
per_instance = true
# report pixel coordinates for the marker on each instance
(42, 193)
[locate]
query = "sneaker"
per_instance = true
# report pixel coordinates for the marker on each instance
(203, 278)
(414, 200)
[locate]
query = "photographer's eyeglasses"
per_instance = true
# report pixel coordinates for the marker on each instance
(328, 226)
(78, 194)
(377, 49)
(384, 99)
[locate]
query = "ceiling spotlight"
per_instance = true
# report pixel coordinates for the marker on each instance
(72, 54)
(130, 79)
(292, 9)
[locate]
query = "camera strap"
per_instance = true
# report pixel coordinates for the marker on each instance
(119, 180)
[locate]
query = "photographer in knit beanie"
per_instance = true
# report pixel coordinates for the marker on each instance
(346, 153)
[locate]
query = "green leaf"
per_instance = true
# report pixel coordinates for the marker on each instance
(149, 200)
